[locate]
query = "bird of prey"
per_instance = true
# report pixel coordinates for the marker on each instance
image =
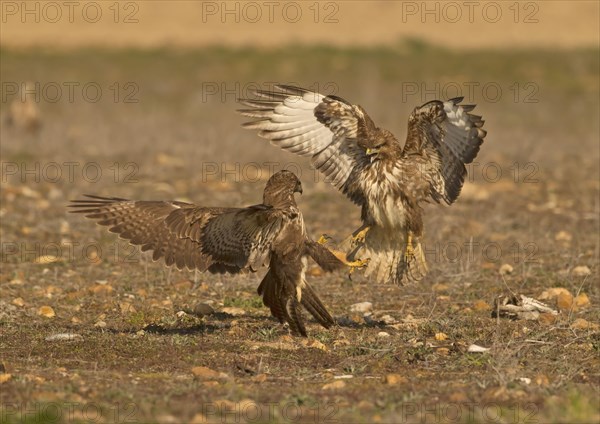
(388, 181)
(232, 240)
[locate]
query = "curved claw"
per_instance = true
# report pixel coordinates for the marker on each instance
(358, 264)
(324, 239)
(360, 236)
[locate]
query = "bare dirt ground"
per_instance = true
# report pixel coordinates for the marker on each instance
(161, 125)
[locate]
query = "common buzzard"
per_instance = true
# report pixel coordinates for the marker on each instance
(369, 165)
(233, 240)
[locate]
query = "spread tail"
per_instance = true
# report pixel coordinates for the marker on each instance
(285, 304)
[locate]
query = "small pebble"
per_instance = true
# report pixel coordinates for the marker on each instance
(64, 337)
(477, 349)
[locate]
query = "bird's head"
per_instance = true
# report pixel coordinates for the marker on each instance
(380, 145)
(281, 188)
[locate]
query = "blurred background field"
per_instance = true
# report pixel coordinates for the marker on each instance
(486, 24)
(151, 106)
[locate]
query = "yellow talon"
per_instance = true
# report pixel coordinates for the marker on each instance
(360, 237)
(343, 257)
(324, 239)
(357, 263)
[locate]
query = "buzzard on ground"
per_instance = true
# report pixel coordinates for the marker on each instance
(369, 165)
(233, 240)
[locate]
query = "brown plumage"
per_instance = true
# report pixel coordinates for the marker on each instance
(368, 164)
(230, 240)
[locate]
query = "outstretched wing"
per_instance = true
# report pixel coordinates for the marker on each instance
(187, 236)
(310, 124)
(449, 137)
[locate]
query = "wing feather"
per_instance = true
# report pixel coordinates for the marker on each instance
(450, 137)
(312, 124)
(188, 236)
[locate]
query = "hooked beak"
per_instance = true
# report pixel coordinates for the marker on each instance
(371, 152)
(298, 188)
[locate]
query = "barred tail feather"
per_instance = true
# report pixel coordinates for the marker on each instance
(294, 313)
(270, 291)
(286, 307)
(313, 304)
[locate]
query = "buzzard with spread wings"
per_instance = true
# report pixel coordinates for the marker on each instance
(233, 240)
(368, 164)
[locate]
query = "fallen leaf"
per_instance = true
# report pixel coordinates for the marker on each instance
(440, 287)
(341, 343)
(506, 269)
(126, 307)
(204, 373)
(18, 301)
(547, 318)
(233, 310)
(553, 293)
(393, 379)
(564, 301)
(184, 284)
(440, 336)
(365, 405)
(581, 300)
(336, 385)
(541, 380)
(46, 311)
(444, 351)
(581, 271)
(46, 259)
(101, 289)
(260, 378)
(5, 377)
(497, 393)
(481, 305)
(200, 418)
(458, 397)
(563, 236)
(315, 344)
(582, 324)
